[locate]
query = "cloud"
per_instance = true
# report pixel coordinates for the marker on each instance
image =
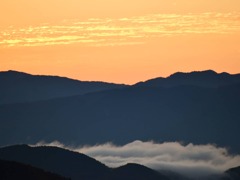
(120, 31)
(190, 159)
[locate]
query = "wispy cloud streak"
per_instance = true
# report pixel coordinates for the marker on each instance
(121, 31)
(190, 159)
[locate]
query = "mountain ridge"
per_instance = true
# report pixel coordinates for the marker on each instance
(19, 87)
(57, 160)
(207, 78)
(73, 164)
(210, 115)
(65, 163)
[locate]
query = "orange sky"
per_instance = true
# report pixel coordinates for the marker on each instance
(119, 40)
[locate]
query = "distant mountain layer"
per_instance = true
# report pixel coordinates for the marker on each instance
(207, 79)
(74, 165)
(17, 87)
(185, 113)
(10, 170)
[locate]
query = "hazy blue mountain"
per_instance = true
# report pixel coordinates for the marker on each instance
(75, 165)
(21, 87)
(10, 170)
(183, 113)
(209, 79)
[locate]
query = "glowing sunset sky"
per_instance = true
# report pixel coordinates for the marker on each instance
(121, 41)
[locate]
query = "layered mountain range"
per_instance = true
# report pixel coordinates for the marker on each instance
(197, 107)
(26, 162)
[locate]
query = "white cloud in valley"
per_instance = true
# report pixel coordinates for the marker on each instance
(187, 159)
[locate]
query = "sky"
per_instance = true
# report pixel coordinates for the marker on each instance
(119, 41)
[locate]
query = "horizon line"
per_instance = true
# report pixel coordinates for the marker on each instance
(120, 83)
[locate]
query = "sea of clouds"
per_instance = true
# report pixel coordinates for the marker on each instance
(189, 160)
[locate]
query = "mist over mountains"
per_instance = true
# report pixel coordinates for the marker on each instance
(191, 108)
(198, 107)
(48, 162)
(188, 160)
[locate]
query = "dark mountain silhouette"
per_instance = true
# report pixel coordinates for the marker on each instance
(25, 162)
(10, 170)
(56, 160)
(176, 176)
(232, 174)
(183, 113)
(133, 172)
(75, 165)
(209, 79)
(17, 87)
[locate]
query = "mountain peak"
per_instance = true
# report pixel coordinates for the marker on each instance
(13, 71)
(136, 171)
(57, 160)
(206, 79)
(74, 165)
(194, 73)
(13, 74)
